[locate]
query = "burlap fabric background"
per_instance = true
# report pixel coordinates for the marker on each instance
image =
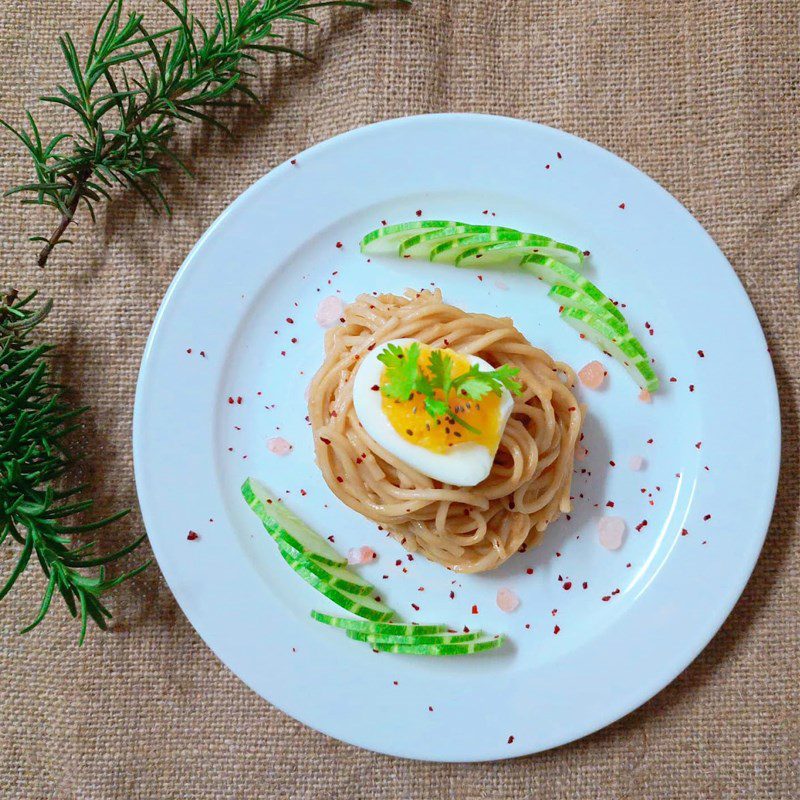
(705, 97)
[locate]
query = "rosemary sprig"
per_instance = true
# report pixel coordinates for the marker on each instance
(35, 511)
(133, 87)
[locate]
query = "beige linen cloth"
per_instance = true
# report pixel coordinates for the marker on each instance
(704, 96)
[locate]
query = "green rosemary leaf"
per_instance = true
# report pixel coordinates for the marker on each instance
(184, 72)
(34, 504)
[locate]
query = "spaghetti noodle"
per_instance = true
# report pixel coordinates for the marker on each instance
(468, 529)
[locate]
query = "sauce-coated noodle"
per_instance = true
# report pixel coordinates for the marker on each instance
(469, 529)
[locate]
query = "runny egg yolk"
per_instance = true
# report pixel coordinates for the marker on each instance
(413, 423)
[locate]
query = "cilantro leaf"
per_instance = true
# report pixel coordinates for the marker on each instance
(506, 375)
(441, 368)
(404, 376)
(436, 408)
(476, 384)
(422, 384)
(402, 370)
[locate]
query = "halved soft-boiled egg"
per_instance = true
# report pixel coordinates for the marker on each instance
(440, 447)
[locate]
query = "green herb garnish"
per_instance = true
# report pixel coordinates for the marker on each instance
(132, 90)
(405, 376)
(35, 504)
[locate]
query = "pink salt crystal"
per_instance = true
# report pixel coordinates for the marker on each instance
(636, 463)
(507, 600)
(502, 285)
(279, 446)
(360, 555)
(329, 311)
(644, 396)
(611, 530)
(592, 375)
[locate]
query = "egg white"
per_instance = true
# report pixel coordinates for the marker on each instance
(464, 464)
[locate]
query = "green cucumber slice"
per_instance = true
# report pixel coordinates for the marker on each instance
(285, 527)
(377, 628)
(360, 605)
(623, 346)
(589, 298)
(448, 252)
(385, 240)
(338, 577)
(455, 649)
(441, 638)
(422, 245)
(503, 252)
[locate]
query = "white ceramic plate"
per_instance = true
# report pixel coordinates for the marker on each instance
(627, 622)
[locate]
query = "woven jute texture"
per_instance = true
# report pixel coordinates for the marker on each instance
(704, 96)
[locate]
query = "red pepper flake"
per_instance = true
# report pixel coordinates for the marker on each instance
(622, 206)
(707, 517)
(189, 350)
(466, 629)
(339, 479)
(395, 683)
(419, 212)
(290, 320)
(701, 354)
(452, 595)
(202, 353)
(691, 387)
(324, 440)
(415, 606)
(554, 612)
(556, 629)
(585, 585)
(612, 463)
(231, 401)
(559, 156)
(698, 445)
(684, 532)
(474, 609)
(430, 708)
(529, 570)
(193, 535)
(339, 245)
(294, 340)
(527, 626)
(558, 555)
(238, 401)
(384, 222)
(485, 211)
(673, 380)
(547, 166)
(610, 504)
(641, 525)
(605, 598)
(616, 591)
(480, 277)
(567, 586)
(649, 441)
(510, 739)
